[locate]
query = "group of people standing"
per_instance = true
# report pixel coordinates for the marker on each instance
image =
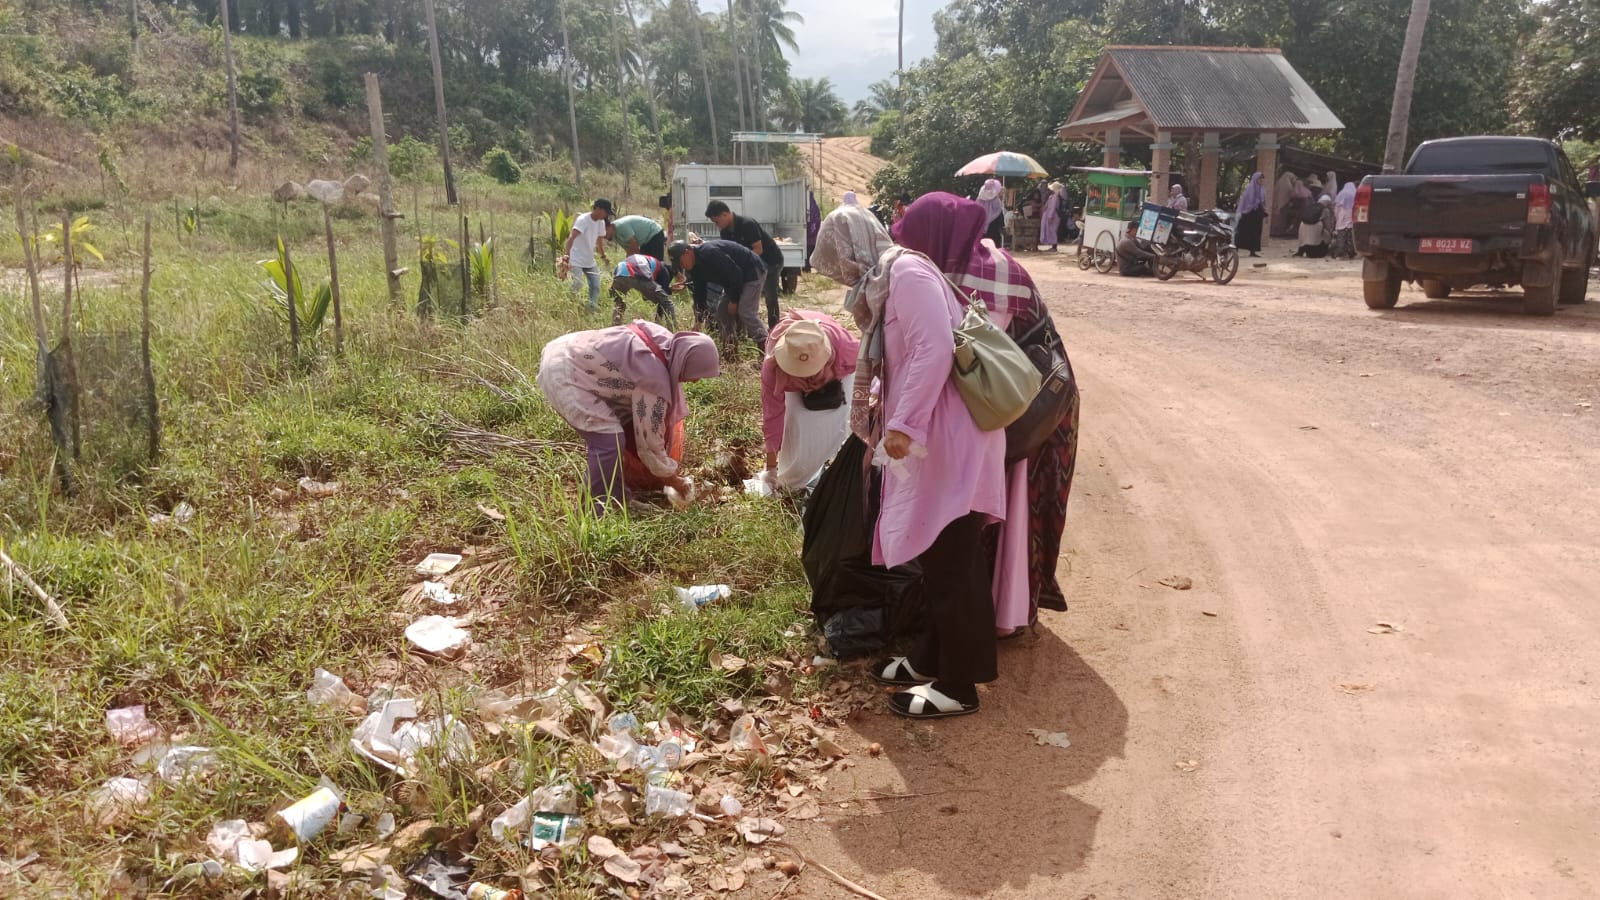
(1318, 213)
(985, 529)
(1049, 203)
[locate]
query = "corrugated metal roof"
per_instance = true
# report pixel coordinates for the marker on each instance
(1221, 89)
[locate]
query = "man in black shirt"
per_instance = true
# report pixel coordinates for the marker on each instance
(731, 273)
(748, 231)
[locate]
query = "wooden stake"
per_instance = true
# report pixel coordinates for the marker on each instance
(152, 408)
(66, 269)
(30, 261)
(466, 269)
(386, 212)
(233, 96)
(333, 280)
(57, 615)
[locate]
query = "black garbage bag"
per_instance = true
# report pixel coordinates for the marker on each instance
(860, 606)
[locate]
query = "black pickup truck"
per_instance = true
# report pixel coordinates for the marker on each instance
(1477, 210)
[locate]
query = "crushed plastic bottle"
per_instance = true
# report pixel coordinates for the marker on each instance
(328, 689)
(703, 595)
(663, 801)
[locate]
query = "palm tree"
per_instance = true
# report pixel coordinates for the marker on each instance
(1405, 81)
(882, 97)
(772, 27)
(812, 105)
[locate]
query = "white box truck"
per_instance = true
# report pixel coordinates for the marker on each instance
(754, 191)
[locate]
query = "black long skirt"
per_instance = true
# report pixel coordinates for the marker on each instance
(1250, 226)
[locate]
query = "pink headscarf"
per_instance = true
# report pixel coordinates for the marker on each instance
(690, 356)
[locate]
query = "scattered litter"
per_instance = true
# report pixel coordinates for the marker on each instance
(439, 876)
(318, 489)
(660, 801)
(1385, 628)
(129, 727)
(258, 856)
(1350, 688)
(703, 594)
(759, 831)
(1187, 765)
(492, 514)
(681, 499)
(1207, 612)
(181, 514)
(1177, 582)
(328, 689)
(385, 825)
(480, 891)
(441, 636)
(308, 817)
(1308, 428)
(554, 830)
(437, 592)
(436, 564)
(745, 738)
(759, 486)
(179, 764)
(1050, 738)
(362, 859)
(395, 747)
(731, 807)
(116, 800)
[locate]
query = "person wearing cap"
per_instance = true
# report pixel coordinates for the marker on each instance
(588, 238)
(809, 355)
(652, 278)
(638, 234)
(735, 275)
(747, 231)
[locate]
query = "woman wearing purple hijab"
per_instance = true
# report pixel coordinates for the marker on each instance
(948, 230)
(1252, 216)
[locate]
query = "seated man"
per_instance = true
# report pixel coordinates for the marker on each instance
(652, 278)
(1132, 259)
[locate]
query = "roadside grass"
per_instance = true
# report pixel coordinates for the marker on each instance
(216, 624)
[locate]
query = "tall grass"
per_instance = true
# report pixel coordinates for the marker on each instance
(216, 624)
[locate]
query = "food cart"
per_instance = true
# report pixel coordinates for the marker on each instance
(1113, 198)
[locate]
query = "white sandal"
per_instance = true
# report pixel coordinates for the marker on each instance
(924, 702)
(897, 670)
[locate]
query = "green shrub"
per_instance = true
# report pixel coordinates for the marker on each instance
(884, 132)
(408, 157)
(260, 94)
(501, 166)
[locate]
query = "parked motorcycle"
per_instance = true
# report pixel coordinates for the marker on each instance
(1198, 247)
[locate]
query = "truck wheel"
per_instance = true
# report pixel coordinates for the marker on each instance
(1541, 300)
(1435, 290)
(1574, 286)
(1382, 294)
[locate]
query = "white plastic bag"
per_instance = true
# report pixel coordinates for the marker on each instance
(810, 439)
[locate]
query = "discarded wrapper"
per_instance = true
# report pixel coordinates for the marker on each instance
(681, 499)
(442, 636)
(480, 891)
(395, 746)
(661, 801)
(129, 726)
(308, 817)
(554, 829)
(179, 764)
(703, 594)
(328, 689)
(437, 592)
(436, 564)
(117, 799)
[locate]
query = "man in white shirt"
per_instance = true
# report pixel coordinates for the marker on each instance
(588, 237)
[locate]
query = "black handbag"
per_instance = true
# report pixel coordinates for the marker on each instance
(829, 396)
(1043, 346)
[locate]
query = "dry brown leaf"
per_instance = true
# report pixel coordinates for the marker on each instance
(829, 749)
(624, 869)
(796, 790)
(1177, 582)
(1350, 688)
(1385, 628)
(727, 880)
(759, 831)
(1187, 765)
(603, 847)
(804, 808)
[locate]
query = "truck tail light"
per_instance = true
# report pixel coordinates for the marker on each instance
(1538, 204)
(1363, 207)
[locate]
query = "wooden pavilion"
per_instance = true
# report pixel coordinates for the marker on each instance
(1164, 95)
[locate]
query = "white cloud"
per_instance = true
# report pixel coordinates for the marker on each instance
(852, 42)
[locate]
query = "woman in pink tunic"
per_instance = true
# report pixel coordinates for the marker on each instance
(944, 482)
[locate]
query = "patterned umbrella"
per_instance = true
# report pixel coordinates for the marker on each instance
(1005, 164)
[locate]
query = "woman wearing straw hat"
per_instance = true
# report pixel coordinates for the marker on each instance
(805, 408)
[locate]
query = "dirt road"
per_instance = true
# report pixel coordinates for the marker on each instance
(845, 165)
(1316, 469)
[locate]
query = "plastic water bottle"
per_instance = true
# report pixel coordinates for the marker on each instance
(703, 594)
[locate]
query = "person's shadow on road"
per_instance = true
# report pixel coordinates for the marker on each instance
(979, 805)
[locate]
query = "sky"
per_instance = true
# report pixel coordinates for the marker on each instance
(852, 42)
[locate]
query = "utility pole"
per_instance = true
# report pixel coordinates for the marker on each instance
(438, 102)
(1405, 82)
(233, 93)
(572, 106)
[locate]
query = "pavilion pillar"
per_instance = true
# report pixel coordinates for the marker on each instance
(1210, 163)
(1160, 167)
(1267, 165)
(1113, 149)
